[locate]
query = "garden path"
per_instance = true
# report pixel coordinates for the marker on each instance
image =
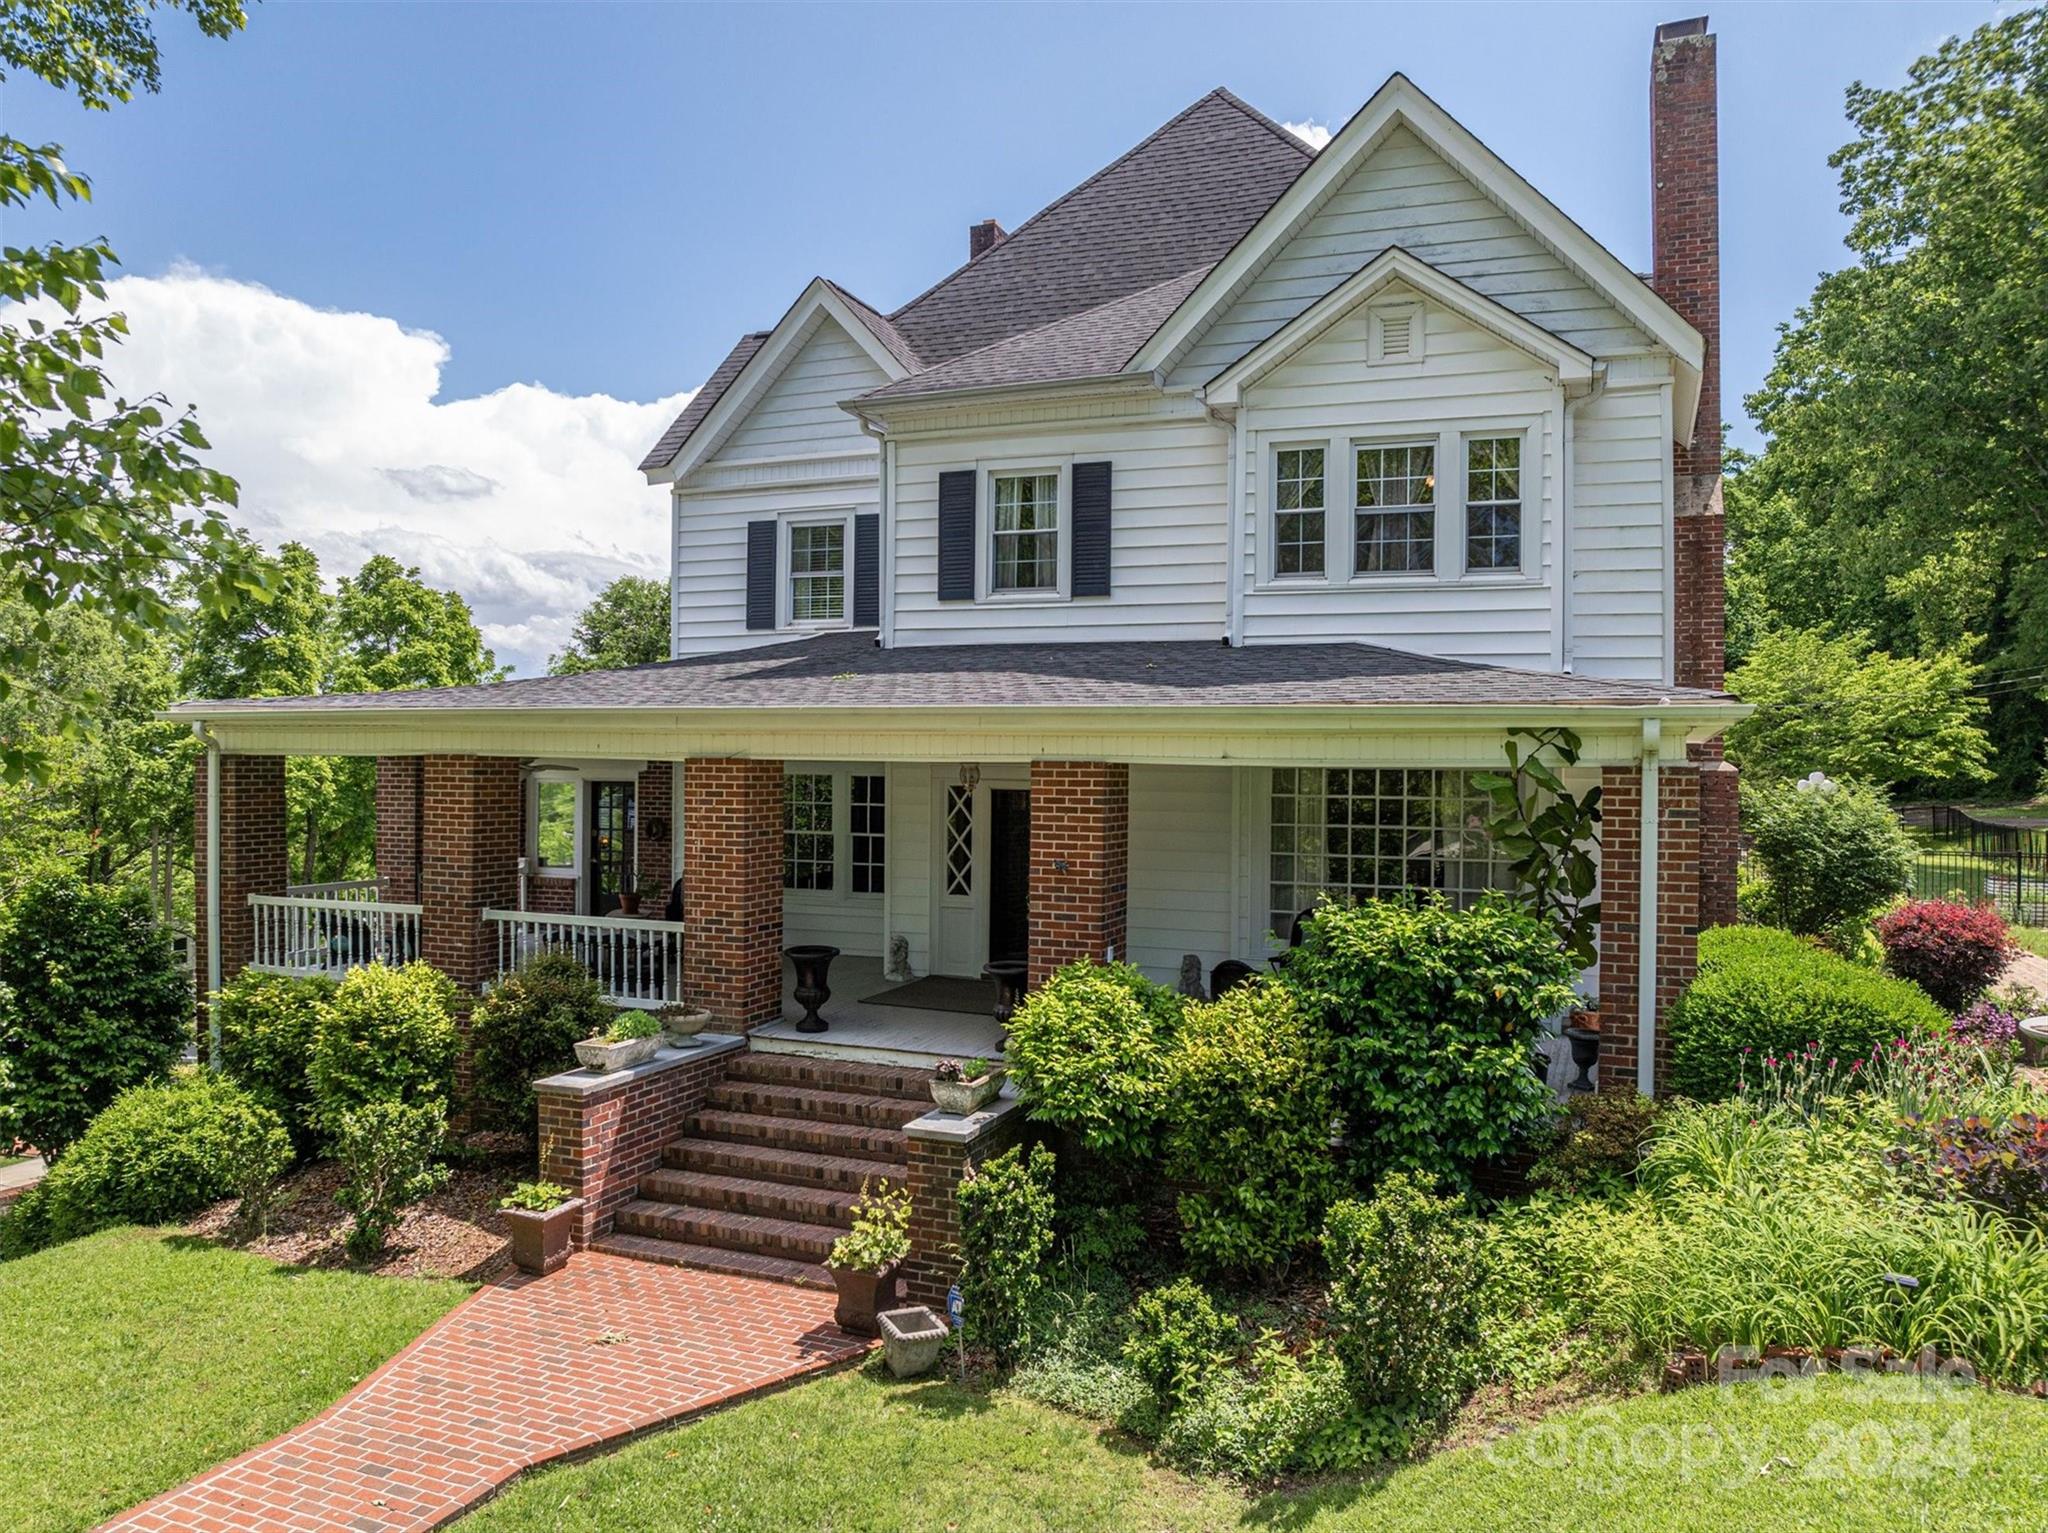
(524, 1371)
(2029, 969)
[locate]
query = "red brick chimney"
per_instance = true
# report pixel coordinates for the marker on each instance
(1685, 243)
(984, 237)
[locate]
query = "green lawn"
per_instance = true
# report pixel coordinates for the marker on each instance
(133, 1359)
(2033, 938)
(858, 1451)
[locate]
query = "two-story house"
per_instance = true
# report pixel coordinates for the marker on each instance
(1169, 564)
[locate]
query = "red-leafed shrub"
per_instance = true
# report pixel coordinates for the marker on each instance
(1951, 951)
(2003, 1165)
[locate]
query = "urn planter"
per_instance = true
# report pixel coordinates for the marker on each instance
(683, 1024)
(540, 1241)
(2034, 1039)
(601, 1058)
(911, 1339)
(861, 1293)
(813, 965)
(1585, 1042)
(964, 1097)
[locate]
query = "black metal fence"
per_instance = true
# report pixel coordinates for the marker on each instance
(1960, 856)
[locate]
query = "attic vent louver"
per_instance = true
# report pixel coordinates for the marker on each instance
(1397, 333)
(1394, 335)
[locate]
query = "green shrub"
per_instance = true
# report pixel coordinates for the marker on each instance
(1547, 1286)
(1284, 1413)
(629, 1026)
(92, 1001)
(267, 1026)
(1087, 1052)
(1832, 854)
(1597, 1144)
(1177, 1338)
(387, 1034)
(880, 1235)
(536, 1197)
(1436, 1013)
(387, 1149)
(1403, 1300)
(1248, 1114)
(160, 1152)
(1763, 992)
(526, 1028)
(1006, 1232)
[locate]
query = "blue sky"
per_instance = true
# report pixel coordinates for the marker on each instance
(596, 198)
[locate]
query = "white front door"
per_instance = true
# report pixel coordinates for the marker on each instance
(960, 875)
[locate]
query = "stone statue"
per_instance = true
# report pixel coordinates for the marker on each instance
(1191, 979)
(899, 960)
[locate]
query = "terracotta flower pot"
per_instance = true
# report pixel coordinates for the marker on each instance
(861, 1294)
(540, 1241)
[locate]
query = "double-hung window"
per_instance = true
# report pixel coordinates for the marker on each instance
(1025, 551)
(807, 831)
(1493, 503)
(1394, 513)
(817, 572)
(1298, 501)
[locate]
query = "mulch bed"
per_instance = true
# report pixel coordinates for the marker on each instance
(457, 1232)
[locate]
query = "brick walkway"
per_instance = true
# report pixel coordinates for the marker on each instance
(525, 1371)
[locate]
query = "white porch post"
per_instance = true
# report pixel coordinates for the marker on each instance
(1646, 929)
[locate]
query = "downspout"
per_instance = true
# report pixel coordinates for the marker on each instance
(212, 891)
(1567, 657)
(885, 478)
(1646, 910)
(1233, 522)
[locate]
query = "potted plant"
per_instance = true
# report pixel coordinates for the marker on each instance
(965, 1085)
(540, 1216)
(864, 1260)
(911, 1339)
(630, 1040)
(683, 1023)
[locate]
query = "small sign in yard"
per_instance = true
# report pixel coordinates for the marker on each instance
(953, 1306)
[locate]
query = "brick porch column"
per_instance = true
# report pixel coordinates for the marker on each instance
(469, 849)
(1676, 946)
(252, 856)
(1080, 862)
(732, 889)
(400, 800)
(654, 800)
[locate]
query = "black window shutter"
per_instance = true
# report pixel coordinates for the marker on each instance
(956, 535)
(1091, 529)
(867, 570)
(761, 574)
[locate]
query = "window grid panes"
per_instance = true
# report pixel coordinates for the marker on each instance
(1395, 523)
(1362, 833)
(1027, 537)
(817, 573)
(807, 830)
(959, 840)
(1493, 503)
(1298, 511)
(869, 849)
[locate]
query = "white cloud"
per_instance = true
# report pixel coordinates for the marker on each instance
(524, 500)
(1312, 133)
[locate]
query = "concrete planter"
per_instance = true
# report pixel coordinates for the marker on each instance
(683, 1025)
(964, 1097)
(540, 1241)
(601, 1058)
(911, 1339)
(2034, 1039)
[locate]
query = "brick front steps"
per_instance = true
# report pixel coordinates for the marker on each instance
(764, 1180)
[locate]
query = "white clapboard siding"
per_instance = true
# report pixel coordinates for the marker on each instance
(1180, 868)
(1620, 619)
(800, 411)
(1405, 194)
(852, 924)
(1166, 539)
(710, 585)
(1468, 378)
(910, 861)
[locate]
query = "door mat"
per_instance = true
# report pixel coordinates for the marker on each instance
(940, 992)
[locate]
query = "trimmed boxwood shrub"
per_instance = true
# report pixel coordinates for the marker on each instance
(1248, 1111)
(388, 1034)
(1770, 992)
(1435, 1013)
(92, 1001)
(527, 1027)
(160, 1152)
(1088, 1052)
(267, 1026)
(1950, 950)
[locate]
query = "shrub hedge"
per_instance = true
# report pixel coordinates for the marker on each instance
(387, 1034)
(527, 1027)
(1088, 1053)
(267, 1026)
(1952, 951)
(1771, 993)
(1006, 1234)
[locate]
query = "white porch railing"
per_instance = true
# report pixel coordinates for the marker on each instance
(321, 934)
(637, 963)
(364, 890)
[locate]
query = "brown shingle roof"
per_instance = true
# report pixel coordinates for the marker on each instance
(663, 452)
(846, 670)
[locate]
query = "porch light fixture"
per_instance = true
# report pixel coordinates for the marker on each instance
(970, 775)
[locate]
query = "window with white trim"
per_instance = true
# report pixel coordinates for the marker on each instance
(869, 816)
(1493, 502)
(817, 572)
(807, 831)
(1362, 833)
(1298, 500)
(1024, 552)
(1394, 509)
(557, 824)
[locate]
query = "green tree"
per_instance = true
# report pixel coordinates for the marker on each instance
(625, 624)
(1834, 705)
(392, 630)
(1906, 412)
(103, 506)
